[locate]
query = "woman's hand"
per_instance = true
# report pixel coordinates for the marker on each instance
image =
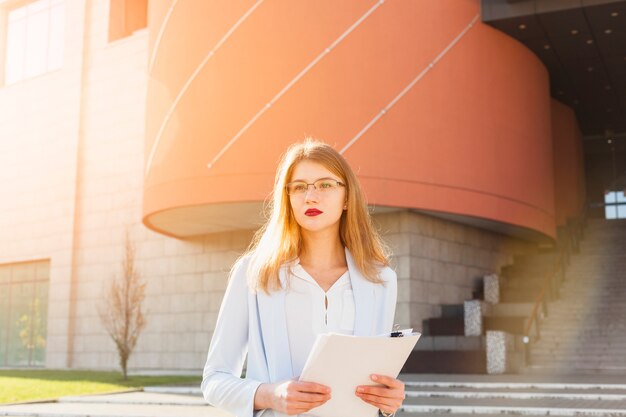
(388, 398)
(291, 397)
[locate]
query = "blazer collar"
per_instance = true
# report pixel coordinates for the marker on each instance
(273, 320)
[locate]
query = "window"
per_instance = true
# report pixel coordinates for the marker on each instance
(615, 205)
(34, 39)
(23, 313)
(126, 16)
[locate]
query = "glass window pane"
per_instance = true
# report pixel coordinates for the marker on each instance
(23, 272)
(610, 212)
(24, 315)
(40, 324)
(16, 42)
(4, 322)
(621, 211)
(57, 31)
(36, 44)
(610, 197)
(620, 197)
(42, 271)
(20, 326)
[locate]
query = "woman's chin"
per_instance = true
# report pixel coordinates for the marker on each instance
(313, 226)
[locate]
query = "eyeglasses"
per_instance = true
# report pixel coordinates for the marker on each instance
(323, 185)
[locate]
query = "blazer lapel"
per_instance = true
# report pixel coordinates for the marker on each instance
(274, 332)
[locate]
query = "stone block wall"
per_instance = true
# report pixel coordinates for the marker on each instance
(439, 261)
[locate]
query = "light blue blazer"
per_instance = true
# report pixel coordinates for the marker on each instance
(255, 324)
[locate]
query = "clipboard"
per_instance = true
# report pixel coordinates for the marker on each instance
(342, 362)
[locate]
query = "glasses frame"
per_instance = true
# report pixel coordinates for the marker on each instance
(339, 184)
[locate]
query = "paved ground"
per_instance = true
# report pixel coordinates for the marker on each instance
(134, 404)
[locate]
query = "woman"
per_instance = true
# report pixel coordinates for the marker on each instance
(316, 266)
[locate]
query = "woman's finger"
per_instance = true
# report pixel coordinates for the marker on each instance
(312, 387)
(307, 397)
(380, 391)
(387, 380)
(388, 402)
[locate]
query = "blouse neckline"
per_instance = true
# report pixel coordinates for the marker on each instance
(301, 273)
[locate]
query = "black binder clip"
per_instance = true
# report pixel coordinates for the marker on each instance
(396, 331)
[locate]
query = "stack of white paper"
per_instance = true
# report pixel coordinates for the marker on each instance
(343, 362)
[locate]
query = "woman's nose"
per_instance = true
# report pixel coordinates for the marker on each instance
(311, 193)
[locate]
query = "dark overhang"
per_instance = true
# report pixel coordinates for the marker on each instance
(582, 43)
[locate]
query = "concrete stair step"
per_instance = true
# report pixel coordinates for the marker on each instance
(575, 367)
(580, 333)
(608, 243)
(587, 323)
(566, 341)
(593, 274)
(450, 343)
(492, 406)
(592, 277)
(596, 256)
(598, 338)
(516, 383)
(586, 359)
(587, 252)
(604, 290)
(584, 316)
(572, 369)
(591, 248)
(571, 306)
(585, 340)
(566, 346)
(580, 337)
(452, 413)
(555, 353)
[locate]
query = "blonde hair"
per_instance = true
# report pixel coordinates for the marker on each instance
(279, 240)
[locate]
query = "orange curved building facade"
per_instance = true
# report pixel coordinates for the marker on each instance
(570, 193)
(470, 136)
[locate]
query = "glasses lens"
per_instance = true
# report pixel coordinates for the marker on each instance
(296, 188)
(325, 185)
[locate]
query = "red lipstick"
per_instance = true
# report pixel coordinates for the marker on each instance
(313, 212)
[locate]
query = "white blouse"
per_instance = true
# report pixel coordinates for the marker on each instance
(307, 314)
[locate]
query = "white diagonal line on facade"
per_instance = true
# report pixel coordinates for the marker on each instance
(157, 41)
(409, 86)
(292, 82)
(185, 87)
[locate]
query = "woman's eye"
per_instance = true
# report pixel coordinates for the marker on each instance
(325, 185)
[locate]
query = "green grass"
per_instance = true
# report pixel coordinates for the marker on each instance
(28, 385)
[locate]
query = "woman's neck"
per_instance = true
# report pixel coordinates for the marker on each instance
(322, 252)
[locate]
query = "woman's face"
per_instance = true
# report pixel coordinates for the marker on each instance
(330, 201)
